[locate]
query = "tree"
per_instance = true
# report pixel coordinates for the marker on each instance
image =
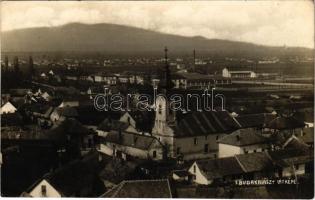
(31, 68)
(6, 63)
(16, 65)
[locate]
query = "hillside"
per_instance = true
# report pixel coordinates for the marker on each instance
(118, 38)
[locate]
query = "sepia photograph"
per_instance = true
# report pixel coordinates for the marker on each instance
(157, 99)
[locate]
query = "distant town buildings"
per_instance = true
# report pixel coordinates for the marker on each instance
(238, 74)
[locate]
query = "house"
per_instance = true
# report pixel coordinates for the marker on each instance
(90, 117)
(109, 79)
(46, 96)
(61, 113)
(294, 142)
(42, 113)
(116, 170)
(72, 102)
(286, 124)
(193, 136)
(11, 119)
(69, 181)
(8, 107)
(193, 80)
(208, 171)
(139, 121)
(259, 120)
(256, 165)
(181, 175)
(242, 141)
(72, 133)
(307, 136)
(306, 115)
(109, 124)
(125, 144)
(292, 162)
(253, 166)
(238, 74)
(141, 189)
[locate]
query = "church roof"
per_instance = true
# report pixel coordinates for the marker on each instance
(205, 123)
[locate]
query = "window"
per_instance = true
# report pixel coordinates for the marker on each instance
(160, 109)
(43, 190)
(296, 167)
(206, 137)
(154, 154)
(178, 150)
(194, 168)
(206, 148)
(195, 141)
(217, 137)
(135, 140)
(255, 151)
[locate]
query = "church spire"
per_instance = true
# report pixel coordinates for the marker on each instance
(166, 82)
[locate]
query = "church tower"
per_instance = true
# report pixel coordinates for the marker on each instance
(164, 115)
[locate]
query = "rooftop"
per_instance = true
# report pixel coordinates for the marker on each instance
(217, 168)
(255, 120)
(131, 139)
(204, 123)
(243, 137)
(141, 189)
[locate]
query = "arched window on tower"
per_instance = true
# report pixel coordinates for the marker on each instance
(160, 109)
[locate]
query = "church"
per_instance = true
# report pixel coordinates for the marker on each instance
(193, 136)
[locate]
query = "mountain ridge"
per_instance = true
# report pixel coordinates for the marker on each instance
(121, 38)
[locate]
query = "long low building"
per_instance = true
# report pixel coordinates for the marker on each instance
(254, 166)
(238, 74)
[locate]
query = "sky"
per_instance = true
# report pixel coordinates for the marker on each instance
(276, 23)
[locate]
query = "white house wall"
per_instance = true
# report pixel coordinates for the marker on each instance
(199, 177)
(226, 150)
(134, 152)
(50, 190)
(196, 151)
(288, 171)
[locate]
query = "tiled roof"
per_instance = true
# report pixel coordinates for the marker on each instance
(204, 123)
(181, 173)
(131, 139)
(282, 123)
(243, 137)
(295, 143)
(67, 127)
(88, 115)
(141, 189)
(108, 124)
(217, 168)
(144, 120)
(254, 162)
(77, 176)
(11, 119)
(255, 120)
(287, 157)
(67, 111)
(305, 115)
